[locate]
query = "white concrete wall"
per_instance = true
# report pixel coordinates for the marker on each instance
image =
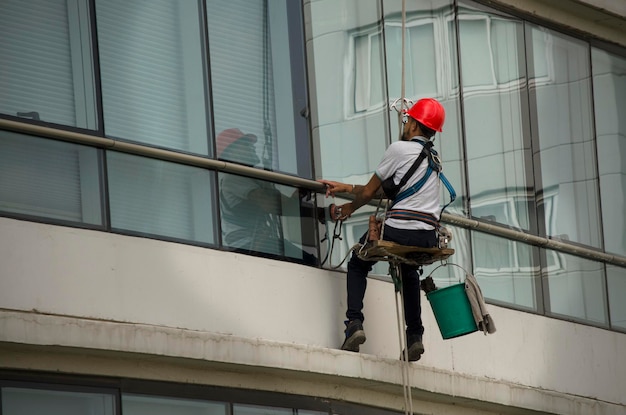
(286, 315)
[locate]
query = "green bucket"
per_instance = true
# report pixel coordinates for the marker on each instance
(452, 310)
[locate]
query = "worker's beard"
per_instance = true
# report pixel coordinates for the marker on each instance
(405, 134)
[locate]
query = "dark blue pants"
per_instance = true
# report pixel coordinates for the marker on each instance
(358, 270)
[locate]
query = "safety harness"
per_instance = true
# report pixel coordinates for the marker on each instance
(434, 165)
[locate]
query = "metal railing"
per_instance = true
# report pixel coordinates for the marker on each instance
(218, 165)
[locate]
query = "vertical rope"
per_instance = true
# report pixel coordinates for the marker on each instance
(403, 59)
(405, 381)
(406, 384)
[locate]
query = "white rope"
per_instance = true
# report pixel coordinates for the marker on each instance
(402, 79)
(406, 384)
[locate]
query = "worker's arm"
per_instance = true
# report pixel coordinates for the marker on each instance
(363, 194)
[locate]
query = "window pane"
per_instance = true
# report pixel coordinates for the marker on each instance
(48, 178)
(19, 401)
(46, 71)
(496, 117)
(616, 278)
(609, 90)
(151, 59)
(155, 197)
(506, 270)
(263, 217)
(257, 79)
(560, 82)
(148, 405)
(260, 410)
(575, 287)
(350, 145)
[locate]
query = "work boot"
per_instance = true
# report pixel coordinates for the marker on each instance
(416, 347)
(355, 335)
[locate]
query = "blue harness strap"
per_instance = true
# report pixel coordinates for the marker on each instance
(414, 215)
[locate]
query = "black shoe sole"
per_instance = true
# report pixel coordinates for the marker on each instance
(353, 342)
(415, 352)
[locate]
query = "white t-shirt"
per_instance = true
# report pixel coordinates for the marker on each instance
(396, 161)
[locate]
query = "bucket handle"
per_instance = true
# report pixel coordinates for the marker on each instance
(446, 264)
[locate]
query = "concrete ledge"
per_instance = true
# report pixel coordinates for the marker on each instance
(34, 341)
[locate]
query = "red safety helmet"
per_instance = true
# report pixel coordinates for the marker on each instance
(429, 112)
(227, 137)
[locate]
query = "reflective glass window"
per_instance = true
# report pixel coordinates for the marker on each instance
(347, 60)
(495, 97)
(616, 287)
(155, 197)
(151, 405)
(506, 270)
(263, 217)
(152, 70)
(575, 287)
(51, 179)
(562, 121)
(257, 79)
(19, 401)
(46, 72)
(609, 90)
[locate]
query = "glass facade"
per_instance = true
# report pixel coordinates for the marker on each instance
(19, 397)
(534, 139)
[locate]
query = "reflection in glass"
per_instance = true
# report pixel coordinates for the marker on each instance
(151, 60)
(264, 217)
(51, 179)
(576, 287)
(19, 401)
(256, 85)
(151, 405)
(560, 90)
(609, 91)
(616, 287)
(347, 63)
(496, 117)
(156, 197)
(46, 68)
(506, 270)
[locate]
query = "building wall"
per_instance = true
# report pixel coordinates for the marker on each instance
(86, 302)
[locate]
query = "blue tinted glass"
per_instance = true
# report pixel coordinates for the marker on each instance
(51, 179)
(159, 198)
